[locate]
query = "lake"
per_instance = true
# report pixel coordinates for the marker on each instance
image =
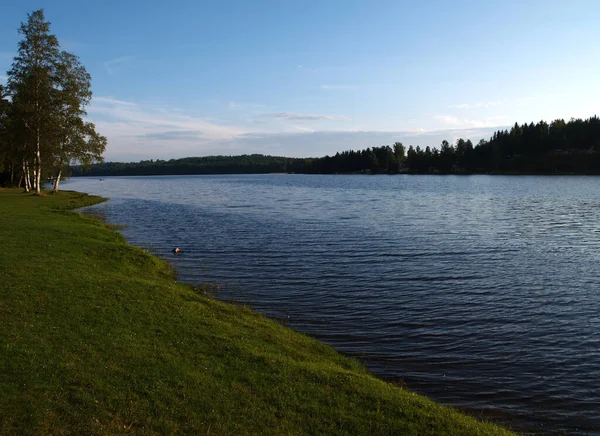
(482, 292)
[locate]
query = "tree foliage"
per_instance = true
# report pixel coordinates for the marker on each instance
(42, 127)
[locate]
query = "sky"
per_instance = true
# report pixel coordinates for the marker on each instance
(308, 78)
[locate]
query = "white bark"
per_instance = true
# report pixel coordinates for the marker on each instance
(38, 165)
(26, 176)
(56, 182)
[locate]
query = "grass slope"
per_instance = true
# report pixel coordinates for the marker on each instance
(97, 337)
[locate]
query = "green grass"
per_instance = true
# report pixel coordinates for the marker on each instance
(97, 337)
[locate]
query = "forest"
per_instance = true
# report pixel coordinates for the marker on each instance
(244, 164)
(558, 147)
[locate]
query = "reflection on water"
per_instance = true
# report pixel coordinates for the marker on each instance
(482, 292)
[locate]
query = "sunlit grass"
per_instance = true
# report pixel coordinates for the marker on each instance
(97, 337)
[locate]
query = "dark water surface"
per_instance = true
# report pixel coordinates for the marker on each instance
(482, 292)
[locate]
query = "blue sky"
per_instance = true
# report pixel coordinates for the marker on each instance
(309, 78)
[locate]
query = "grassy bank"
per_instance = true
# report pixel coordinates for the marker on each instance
(97, 337)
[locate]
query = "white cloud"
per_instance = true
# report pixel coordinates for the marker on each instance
(498, 118)
(465, 123)
(234, 105)
(476, 105)
(134, 129)
(110, 100)
(143, 119)
(114, 65)
(293, 116)
(138, 131)
(173, 135)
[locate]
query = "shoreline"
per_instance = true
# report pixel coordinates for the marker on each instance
(134, 348)
(506, 174)
(494, 415)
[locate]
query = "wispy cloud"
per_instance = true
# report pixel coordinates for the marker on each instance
(3, 78)
(144, 119)
(153, 130)
(173, 135)
(476, 105)
(114, 101)
(140, 131)
(293, 116)
(466, 123)
(114, 65)
(135, 129)
(340, 87)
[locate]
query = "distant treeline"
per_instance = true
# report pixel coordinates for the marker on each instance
(557, 148)
(245, 164)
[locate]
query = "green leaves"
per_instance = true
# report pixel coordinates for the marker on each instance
(49, 90)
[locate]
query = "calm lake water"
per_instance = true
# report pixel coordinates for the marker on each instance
(482, 292)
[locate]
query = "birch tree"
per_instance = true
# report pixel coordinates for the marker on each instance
(82, 145)
(31, 82)
(50, 89)
(76, 140)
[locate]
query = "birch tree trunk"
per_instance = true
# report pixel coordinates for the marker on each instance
(38, 164)
(33, 178)
(26, 177)
(56, 182)
(29, 178)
